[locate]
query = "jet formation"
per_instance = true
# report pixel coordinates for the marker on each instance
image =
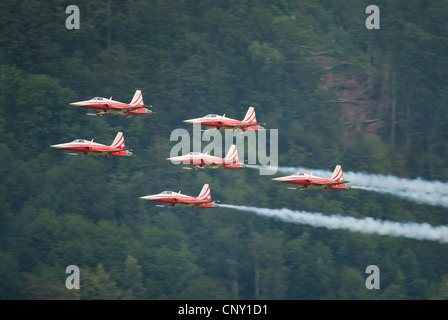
(197, 159)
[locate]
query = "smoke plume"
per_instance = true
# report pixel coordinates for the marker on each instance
(411, 230)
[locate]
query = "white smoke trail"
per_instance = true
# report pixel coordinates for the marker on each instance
(417, 190)
(412, 230)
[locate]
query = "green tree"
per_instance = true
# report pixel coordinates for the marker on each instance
(96, 284)
(132, 280)
(11, 279)
(269, 269)
(45, 282)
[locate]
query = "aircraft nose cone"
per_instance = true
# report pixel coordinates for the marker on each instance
(175, 160)
(278, 179)
(57, 146)
(76, 104)
(148, 198)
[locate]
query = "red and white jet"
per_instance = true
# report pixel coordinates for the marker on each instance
(204, 160)
(177, 199)
(81, 146)
(108, 106)
(306, 180)
(222, 122)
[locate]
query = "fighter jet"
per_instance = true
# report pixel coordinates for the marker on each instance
(222, 122)
(177, 199)
(109, 106)
(307, 180)
(204, 160)
(86, 147)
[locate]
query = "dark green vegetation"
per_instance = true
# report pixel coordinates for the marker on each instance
(370, 100)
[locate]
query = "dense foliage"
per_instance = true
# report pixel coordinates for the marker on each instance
(292, 61)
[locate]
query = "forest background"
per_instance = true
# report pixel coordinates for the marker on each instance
(373, 101)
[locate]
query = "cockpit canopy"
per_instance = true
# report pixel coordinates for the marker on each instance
(193, 153)
(168, 192)
(79, 140)
(98, 98)
(299, 174)
(212, 116)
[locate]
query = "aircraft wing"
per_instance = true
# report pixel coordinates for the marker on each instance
(97, 114)
(193, 168)
(330, 183)
(127, 107)
(239, 125)
(195, 202)
(108, 151)
(298, 188)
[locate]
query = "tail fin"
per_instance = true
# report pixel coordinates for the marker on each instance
(232, 154)
(205, 193)
(250, 116)
(137, 100)
(337, 174)
(119, 141)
